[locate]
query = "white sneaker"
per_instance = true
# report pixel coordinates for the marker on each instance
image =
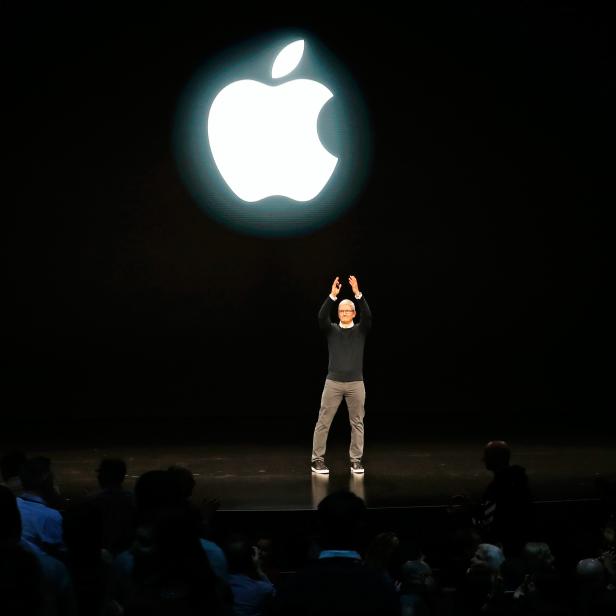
(356, 467)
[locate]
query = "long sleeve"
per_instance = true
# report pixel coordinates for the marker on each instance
(365, 316)
(345, 344)
(325, 319)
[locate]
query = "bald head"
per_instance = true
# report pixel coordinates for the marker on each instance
(496, 455)
(590, 570)
(487, 557)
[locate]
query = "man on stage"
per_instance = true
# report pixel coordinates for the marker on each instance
(345, 342)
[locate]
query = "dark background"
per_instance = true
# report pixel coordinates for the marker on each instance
(480, 239)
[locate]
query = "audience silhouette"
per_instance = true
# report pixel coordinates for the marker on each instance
(505, 513)
(115, 505)
(252, 590)
(41, 523)
(151, 551)
(338, 581)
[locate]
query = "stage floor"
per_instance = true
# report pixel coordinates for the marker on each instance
(251, 472)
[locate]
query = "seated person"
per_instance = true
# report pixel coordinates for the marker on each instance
(115, 505)
(338, 581)
(251, 588)
(41, 524)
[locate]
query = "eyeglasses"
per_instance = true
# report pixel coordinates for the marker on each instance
(346, 311)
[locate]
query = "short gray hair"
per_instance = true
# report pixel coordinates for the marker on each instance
(493, 556)
(347, 302)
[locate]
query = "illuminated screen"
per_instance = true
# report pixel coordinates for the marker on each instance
(272, 137)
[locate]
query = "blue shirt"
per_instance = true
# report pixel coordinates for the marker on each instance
(125, 562)
(57, 590)
(40, 524)
(249, 596)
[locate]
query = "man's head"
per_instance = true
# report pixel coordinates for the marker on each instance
(154, 491)
(346, 312)
(590, 573)
(341, 517)
(240, 555)
(496, 455)
(487, 558)
(537, 555)
(36, 475)
(266, 548)
(111, 472)
(416, 576)
(184, 478)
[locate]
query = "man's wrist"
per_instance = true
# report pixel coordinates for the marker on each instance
(333, 297)
(359, 295)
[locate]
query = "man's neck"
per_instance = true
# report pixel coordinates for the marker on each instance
(33, 496)
(346, 325)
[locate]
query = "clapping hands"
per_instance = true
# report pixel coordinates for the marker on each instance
(354, 285)
(337, 285)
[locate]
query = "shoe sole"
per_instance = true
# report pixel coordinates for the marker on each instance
(357, 472)
(320, 471)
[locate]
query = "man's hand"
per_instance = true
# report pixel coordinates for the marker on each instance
(336, 286)
(354, 285)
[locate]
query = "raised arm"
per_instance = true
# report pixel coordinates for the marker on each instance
(325, 319)
(365, 316)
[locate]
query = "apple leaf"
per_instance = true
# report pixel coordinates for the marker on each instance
(288, 59)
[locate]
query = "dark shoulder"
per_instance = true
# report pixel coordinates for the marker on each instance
(337, 582)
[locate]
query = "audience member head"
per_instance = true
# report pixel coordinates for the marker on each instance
(464, 541)
(241, 555)
(265, 543)
(590, 573)
(111, 472)
(383, 551)
(11, 463)
(341, 517)
(487, 558)
(537, 556)
(172, 571)
(416, 577)
(155, 490)
(496, 455)
(184, 479)
(36, 475)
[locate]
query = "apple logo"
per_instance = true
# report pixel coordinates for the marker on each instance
(264, 138)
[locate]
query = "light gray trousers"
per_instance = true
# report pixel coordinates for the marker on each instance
(354, 394)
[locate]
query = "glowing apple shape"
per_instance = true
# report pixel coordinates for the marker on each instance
(264, 138)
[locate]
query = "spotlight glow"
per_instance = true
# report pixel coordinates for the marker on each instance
(279, 158)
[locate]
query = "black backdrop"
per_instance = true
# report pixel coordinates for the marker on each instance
(480, 239)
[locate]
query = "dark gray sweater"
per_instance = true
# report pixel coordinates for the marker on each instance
(346, 345)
